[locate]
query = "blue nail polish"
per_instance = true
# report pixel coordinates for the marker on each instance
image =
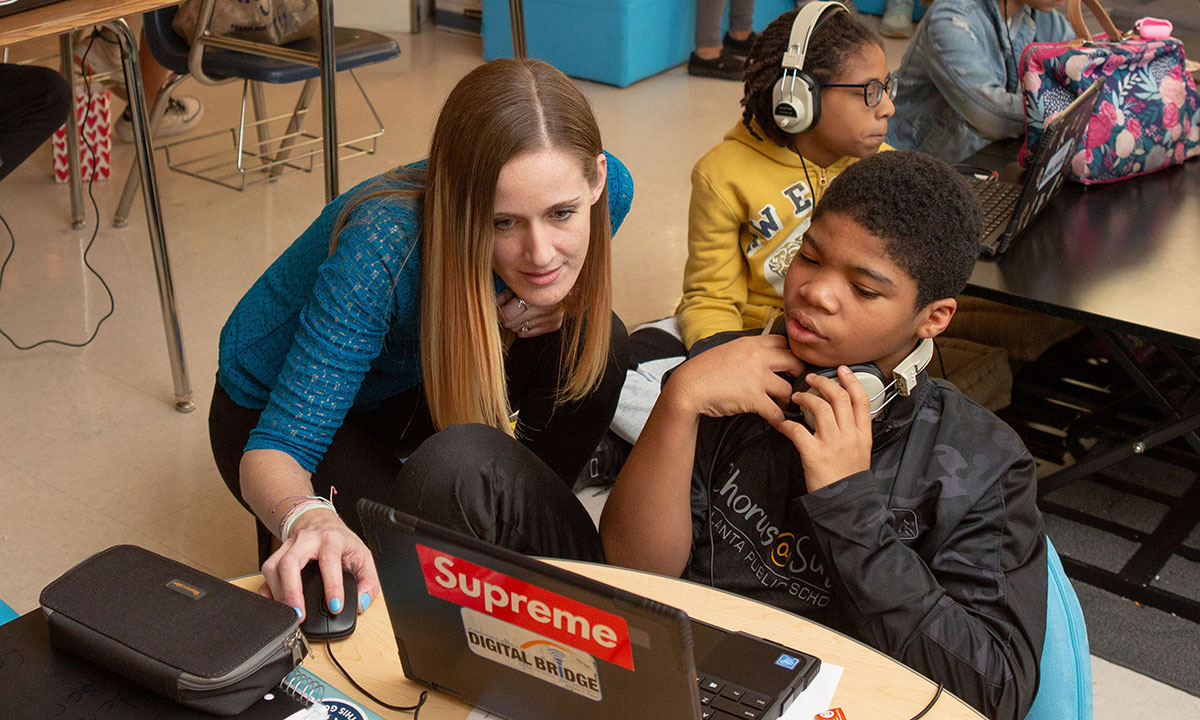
(364, 600)
(299, 612)
(335, 605)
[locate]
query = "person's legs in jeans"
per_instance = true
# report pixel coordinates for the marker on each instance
(480, 482)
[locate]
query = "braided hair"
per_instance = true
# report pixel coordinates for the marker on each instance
(839, 38)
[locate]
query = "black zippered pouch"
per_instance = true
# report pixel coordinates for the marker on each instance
(178, 631)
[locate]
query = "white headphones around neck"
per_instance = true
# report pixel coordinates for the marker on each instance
(879, 390)
(796, 97)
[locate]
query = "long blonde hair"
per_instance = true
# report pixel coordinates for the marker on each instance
(500, 110)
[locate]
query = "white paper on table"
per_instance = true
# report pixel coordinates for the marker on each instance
(815, 698)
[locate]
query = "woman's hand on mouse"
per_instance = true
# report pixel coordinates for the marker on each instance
(322, 536)
(527, 320)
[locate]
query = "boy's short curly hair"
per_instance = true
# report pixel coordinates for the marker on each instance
(927, 215)
(840, 37)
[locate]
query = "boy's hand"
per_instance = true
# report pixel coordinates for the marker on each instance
(737, 377)
(839, 445)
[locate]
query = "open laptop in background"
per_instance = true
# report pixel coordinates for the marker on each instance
(1009, 207)
(10, 7)
(526, 640)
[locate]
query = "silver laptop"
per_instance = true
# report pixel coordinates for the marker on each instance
(1009, 207)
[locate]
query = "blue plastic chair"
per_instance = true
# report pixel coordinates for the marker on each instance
(1065, 685)
(353, 48)
(6, 613)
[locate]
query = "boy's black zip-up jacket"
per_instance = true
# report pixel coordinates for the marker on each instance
(935, 556)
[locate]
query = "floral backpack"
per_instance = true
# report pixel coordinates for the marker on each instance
(1148, 114)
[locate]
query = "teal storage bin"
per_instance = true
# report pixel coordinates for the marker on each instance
(617, 42)
(876, 7)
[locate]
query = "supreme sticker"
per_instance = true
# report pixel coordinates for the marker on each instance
(561, 619)
(532, 654)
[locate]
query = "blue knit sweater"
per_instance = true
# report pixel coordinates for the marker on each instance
(319, 334)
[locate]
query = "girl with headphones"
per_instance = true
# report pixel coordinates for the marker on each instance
(959, 84)
(817, 99)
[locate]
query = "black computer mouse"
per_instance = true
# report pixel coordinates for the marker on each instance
(319, 623)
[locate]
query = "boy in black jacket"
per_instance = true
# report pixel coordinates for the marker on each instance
(916, 531)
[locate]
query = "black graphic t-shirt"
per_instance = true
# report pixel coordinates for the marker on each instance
(760, 541)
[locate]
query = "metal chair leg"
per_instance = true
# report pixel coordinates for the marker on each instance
(133, 179)
(260, 115)
(74, 179)
(328, 98)
(294, 125)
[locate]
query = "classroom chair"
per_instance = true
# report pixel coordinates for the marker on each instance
(208, 65)
(1065, 687)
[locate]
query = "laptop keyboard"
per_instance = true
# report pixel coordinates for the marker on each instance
(998, 200)
(720, 700)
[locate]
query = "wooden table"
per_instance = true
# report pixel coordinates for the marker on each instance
(59, 19)
(872, 686)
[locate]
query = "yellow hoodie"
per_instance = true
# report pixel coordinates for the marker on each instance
(751, 204)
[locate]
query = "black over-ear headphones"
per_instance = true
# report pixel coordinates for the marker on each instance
(796, 97)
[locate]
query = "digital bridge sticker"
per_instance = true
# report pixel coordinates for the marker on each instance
(532, 654)
(547, 615)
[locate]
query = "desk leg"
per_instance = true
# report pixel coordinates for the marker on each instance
(154, 223)
(75, 181)
(1099, 460)
(516, 18)
(328, 100)
(1113, 342)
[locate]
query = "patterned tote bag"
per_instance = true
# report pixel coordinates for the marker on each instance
(1148, 115)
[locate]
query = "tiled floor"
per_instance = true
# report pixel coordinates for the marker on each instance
(92, 452)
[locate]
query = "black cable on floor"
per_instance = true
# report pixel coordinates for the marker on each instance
(95, 230)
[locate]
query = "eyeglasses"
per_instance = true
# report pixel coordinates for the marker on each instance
(872, 91)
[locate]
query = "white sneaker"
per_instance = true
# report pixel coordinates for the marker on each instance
(897, 19)
(182, 116)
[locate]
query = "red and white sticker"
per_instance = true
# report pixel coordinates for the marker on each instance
(565, 621)
(532, 654)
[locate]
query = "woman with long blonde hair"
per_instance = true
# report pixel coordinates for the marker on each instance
(469, 289)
